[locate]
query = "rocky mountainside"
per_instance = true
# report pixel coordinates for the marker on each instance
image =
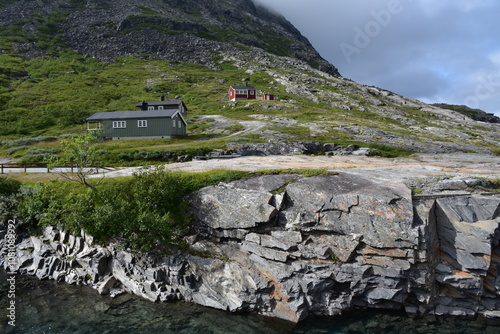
(477, 114)
(183, 30)
(234, 42)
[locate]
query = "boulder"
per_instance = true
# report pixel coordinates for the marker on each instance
(105, 286)
(231, 208)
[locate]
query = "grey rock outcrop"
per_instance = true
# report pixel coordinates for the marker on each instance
(187, 31)
(289, 246)
(299, 147)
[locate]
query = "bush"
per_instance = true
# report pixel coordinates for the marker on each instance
(13, 150)
(9, 190)
(9, 186)
(140, 212)
(64, 204)
(36, 154)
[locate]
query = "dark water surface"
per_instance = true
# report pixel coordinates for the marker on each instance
(51, 307)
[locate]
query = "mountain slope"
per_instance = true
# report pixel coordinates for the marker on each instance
(189, 50)
(477, 114)
(183, 30)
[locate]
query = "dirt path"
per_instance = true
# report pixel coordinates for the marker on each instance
(250, 127)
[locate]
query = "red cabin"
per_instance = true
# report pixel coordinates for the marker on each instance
(242, 93)
(268, 97)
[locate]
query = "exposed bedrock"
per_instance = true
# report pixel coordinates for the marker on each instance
(289, 246)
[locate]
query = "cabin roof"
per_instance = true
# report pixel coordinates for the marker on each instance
(173, 103)
(244, 87)
(132, 114)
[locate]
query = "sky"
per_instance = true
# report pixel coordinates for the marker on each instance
(437, 51)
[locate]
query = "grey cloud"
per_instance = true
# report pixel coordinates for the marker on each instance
(423, 50)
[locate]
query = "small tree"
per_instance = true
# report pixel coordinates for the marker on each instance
(82, 153)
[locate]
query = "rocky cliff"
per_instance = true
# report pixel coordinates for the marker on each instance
(289, 246)
(187, 30)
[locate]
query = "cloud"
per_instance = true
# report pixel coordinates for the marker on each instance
(437, 51)
(432, 7)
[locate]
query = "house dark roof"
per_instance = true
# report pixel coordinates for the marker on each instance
(132, 114)
(172, 103)
(244, 87)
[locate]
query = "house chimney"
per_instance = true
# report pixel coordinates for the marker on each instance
(144, 106)
(163, 97)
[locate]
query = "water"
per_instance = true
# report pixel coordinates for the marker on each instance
(51, 307)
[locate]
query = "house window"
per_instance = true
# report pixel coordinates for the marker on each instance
(160, 107)
(174, 123)
(142, 124)
(151, 108)
(119, 124)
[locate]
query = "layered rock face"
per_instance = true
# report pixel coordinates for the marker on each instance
(289, 246)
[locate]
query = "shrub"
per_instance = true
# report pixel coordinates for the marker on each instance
(141, 212)
(9, 190)
(36, 154)
(125, 156)
(9, 186)
(57, 203)
(13, 150)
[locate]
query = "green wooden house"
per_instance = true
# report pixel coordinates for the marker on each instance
(155, 119)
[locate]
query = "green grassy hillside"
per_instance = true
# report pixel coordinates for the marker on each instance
(50, 97)
(45, 97)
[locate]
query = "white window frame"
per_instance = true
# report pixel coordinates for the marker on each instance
(160, 107)
(142, 123)
(119, 124)
(174, 123)
(151, 108)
